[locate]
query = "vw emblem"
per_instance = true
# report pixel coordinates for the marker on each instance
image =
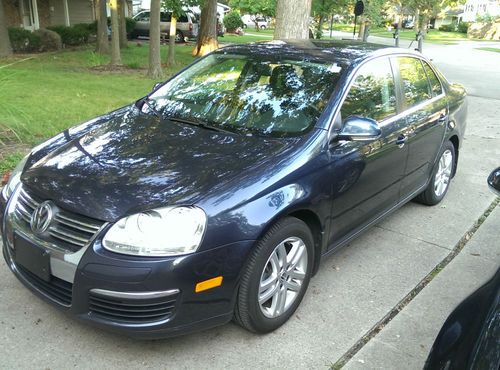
(42, 217)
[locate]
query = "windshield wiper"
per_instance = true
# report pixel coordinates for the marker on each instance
(198, 123)
(140, 103)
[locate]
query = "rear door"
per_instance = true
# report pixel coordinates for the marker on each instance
(425, 109)
(165, 18)
(367, 175)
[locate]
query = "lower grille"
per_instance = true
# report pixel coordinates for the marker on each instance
(57, 289)
(132, 311)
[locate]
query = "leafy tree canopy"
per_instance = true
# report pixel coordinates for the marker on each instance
(264, 7)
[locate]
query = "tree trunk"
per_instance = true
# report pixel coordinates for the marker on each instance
(154, 71)
(115, 34)
(171, 41)
(292, 19)
(424, 21)
(416, 22)
(123, 25)
(319, 32)
(5, 47)
(102, 44)
(207, 38)
(362, 25)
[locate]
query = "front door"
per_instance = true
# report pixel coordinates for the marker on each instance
(367, 175)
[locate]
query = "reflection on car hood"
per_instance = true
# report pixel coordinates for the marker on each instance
(132, 162)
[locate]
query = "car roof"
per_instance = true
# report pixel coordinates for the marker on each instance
(345, 52)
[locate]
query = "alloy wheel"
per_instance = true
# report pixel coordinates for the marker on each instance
(283, 277)
(443, 174)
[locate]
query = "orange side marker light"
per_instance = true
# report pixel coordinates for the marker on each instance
(208, 284)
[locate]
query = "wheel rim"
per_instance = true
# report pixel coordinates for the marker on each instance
(178, 37)
(443, 174)
(282, 279)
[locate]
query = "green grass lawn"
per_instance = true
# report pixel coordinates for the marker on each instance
(495, 50)
(433, 36)
(51, 92)
(251, 35)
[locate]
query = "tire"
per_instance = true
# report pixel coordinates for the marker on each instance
(179, 37)
(264, 265)
(443, 172)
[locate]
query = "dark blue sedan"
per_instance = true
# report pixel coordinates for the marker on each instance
(216, 196)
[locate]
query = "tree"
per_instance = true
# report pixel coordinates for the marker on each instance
(263, 7)
(102, 44)
(115, 34)
(154, 70)
(122, 23)
(322, 9)
(5, 47)
(266, 8)
(207, 38)
(292, 19)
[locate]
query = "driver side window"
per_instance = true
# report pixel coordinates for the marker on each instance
(372, 94)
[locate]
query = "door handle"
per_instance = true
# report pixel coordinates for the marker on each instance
(401, 140)
(443, 118)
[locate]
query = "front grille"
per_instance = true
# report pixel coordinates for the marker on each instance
(69, 230)
(57, 289)
(131, 311)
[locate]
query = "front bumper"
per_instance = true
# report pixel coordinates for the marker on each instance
(140, 297)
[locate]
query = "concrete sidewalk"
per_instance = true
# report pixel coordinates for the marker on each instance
(409, 336)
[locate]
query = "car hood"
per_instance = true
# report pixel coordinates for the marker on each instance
(132, 162)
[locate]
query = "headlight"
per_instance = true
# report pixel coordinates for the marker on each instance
(14, 179)
(160, 232)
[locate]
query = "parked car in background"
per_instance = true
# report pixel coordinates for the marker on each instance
(216, 196)
(254, 21)
(187, 25)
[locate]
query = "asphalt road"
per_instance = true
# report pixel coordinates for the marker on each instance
(353, 291)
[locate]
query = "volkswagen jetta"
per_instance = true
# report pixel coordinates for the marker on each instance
(217, 195)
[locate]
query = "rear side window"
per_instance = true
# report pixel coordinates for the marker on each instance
(433, 79)
(372, 93)
(414, 79)
(144, 17)
(165, 17)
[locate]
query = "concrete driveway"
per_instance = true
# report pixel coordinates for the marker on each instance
(378, 303)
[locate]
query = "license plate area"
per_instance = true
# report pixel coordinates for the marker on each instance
(32, 257)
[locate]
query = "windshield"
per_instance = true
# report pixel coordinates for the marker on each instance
(250, 94)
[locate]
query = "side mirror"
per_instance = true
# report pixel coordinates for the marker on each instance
(357, 128)
(157, 85)
(494, 181)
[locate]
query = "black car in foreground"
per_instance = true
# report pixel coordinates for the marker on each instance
(217, 195)
(470, 336)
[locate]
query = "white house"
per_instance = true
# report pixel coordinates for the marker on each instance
(475, 8)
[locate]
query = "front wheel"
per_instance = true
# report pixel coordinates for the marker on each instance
(276, 277)
(441, 177)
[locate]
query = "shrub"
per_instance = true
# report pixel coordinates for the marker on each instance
(23, 40)
(50, 40)
(74, 35)
(232, 21)
(447, 28)
(129, 26)
(463, 27)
